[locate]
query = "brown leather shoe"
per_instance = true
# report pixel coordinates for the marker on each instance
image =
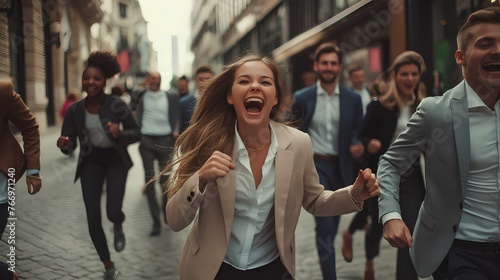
(347, 246)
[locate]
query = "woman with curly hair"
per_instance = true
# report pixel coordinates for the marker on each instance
(96, 121)
(243, 176)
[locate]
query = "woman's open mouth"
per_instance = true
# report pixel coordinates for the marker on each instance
(254, 105)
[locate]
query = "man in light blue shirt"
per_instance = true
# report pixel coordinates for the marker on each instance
(157, 113)
(331, 115)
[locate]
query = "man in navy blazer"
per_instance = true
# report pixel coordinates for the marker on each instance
(187, 103)
(331, 115)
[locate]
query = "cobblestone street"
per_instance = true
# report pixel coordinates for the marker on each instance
(52, 239)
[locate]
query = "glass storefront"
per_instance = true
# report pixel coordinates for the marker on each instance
(448, 16)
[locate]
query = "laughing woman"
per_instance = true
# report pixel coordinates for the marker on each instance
(243, 177)
(96, 121)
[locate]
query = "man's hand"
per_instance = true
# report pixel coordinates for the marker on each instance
(397, 234)
(34, 183)
(357, 150)
(365, 186)
(374, 146)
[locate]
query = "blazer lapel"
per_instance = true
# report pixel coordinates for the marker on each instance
(284, 167)
(460, 117)
(227, 192)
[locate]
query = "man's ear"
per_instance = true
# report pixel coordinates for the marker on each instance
(459, 57)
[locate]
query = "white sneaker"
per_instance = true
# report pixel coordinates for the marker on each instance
(111, 274)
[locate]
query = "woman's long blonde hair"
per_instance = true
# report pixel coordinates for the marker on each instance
(385, 86)
(212, 125)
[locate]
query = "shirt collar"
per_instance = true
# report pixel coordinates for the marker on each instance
(473, 100)
(321, 91)
(240, 147)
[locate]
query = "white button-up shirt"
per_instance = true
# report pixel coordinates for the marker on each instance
(253, 240)
(480, 219)
(324, 129)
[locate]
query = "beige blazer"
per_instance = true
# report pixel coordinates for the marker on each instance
(12, 108)
(297, 184)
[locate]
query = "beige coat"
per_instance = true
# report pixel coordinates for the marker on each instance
(297, 184)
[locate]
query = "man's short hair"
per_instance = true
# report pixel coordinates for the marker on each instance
(486, 15)
(353, 68)
(183, 77)
(328, 48)
(203, 69)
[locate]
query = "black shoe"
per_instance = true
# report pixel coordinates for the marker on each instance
(156, 230)
(119, 239)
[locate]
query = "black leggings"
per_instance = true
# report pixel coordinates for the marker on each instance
(374, 233)
(103, 164)
(4, 215)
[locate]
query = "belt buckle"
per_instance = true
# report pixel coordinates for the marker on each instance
(497, 250)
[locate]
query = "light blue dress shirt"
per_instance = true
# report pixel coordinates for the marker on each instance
(480, 219)
(325, 124)
(155, 120)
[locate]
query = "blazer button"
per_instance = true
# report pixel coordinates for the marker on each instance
(461, 205)
(191, 193)
(455, 228)
(189, 198)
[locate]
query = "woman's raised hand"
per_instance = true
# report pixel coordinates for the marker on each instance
(216, 166)
(365, 186)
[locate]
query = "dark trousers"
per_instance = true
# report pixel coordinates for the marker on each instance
(155, 148)
(375, 231)
(4, 215)
(272, 271)
(5, 273)
(362, 217)
(99, 165)
(472, 260)
(359, 220)
(369, 212)
(411, 196)
(327, 227)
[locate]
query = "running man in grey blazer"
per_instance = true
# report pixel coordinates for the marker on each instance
(457, 234)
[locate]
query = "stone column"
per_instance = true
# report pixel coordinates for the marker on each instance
(36, 97)
(4, 46)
